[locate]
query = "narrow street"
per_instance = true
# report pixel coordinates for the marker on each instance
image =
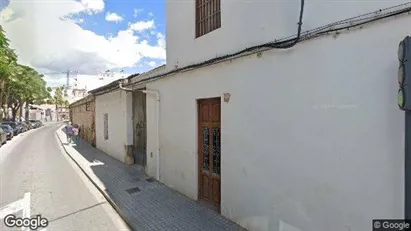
(34, 164)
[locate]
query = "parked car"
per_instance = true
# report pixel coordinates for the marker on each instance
(8, 130)
(14, 126)
(27, 125)
(40, 123)
(21, 127)
(33, 123)
(3, 137)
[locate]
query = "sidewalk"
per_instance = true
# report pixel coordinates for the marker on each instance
(144, 203)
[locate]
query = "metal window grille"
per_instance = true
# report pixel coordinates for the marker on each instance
(208, 16)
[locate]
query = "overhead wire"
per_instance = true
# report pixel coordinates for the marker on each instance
(291, 41)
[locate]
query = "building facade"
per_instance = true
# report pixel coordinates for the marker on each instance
(113, 118)
(305, 138)
(82, 113)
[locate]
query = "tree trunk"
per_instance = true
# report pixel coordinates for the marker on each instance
(21, 112)
(5, 104)
(57, 114)
(1, 106)
(14, 110)
(26, 116)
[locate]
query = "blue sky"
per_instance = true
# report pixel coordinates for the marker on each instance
(89, 36)
(130, 10)
(127, 9)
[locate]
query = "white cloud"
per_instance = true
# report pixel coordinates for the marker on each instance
(161, 40)
(76, 20)
(113, 17)
(152, 64)
(150, 14)
(93, 6)
(6, 15)
(137, 12)
(58, 43)
(142, 25)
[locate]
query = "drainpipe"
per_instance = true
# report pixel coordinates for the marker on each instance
(157, 94)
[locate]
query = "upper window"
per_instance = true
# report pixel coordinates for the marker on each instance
(208, 16)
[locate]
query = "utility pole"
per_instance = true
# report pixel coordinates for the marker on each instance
(65, 91)
(68, 77)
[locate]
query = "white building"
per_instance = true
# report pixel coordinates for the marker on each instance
(79, 86)
(306, 138)
(114, 130)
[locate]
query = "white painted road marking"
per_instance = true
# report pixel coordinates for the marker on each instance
(19, 205)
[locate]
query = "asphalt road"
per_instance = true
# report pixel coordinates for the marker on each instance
(34, 164)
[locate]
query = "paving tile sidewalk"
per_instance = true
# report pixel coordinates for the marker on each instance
(144, 203)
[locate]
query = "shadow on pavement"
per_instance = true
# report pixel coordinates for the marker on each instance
(78, 211)
(146, 203)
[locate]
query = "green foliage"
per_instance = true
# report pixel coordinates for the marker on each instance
(4, 42)
(58, 96)
(18, 84)
(8, 57)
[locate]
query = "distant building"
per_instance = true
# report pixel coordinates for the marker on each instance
(80, 87)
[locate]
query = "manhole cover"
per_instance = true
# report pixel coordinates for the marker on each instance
(135, 179)
(133, 190)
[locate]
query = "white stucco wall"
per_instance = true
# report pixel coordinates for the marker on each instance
(116, 104)
(312, 136)
(151, 121)
(248, 23)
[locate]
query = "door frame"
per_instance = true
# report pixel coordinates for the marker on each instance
(207, 203)
(139, 105)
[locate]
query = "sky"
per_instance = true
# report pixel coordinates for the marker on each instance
(85, 36)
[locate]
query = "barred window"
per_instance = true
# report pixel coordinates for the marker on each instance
(208, 16)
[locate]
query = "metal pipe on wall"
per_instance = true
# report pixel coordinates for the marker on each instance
(157, 95)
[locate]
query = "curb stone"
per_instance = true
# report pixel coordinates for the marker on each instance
(102, 191)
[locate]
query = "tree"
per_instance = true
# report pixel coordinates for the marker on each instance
(28, 88)
(8, 67)
(19, 84)
(58, 99)
(66, 104)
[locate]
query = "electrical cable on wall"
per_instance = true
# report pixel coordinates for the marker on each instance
(297, 38)
(291, 41)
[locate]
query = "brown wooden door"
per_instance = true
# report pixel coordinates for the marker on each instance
(209, 156)
(139, 128)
